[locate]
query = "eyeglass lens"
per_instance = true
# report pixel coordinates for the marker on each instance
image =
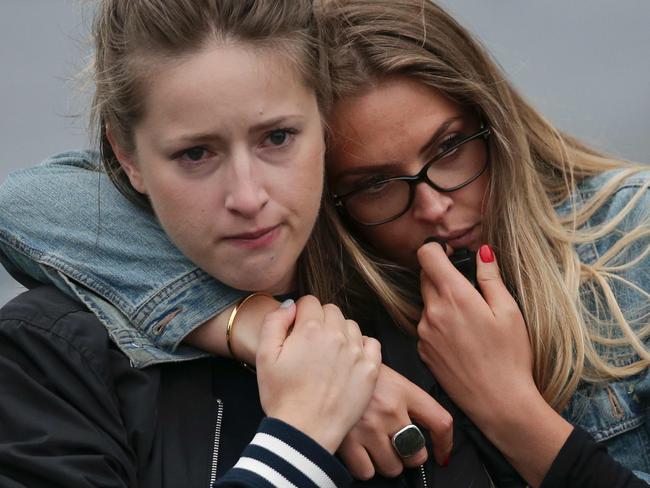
(388, 199)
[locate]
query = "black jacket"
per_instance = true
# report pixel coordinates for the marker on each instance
(74, 413)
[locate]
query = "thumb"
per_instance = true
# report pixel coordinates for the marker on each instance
(275, 330)
(489, 277)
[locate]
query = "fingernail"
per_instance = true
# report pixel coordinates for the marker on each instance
(487, 256)
(287, 303)
(445, 463)
(439, 241)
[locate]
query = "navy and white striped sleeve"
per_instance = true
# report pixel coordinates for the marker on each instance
(282, 456)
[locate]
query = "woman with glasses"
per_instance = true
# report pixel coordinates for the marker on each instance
(428, 141)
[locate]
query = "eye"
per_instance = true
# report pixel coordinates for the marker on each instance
(449, 142)
(279, 137)
(373, 183)
(194, 156)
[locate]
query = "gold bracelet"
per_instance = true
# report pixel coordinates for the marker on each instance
(231, 323)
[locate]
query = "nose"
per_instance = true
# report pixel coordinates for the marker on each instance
(245, 191)
(430, 205)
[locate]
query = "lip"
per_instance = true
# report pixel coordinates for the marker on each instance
(461, 238)
(256, 238)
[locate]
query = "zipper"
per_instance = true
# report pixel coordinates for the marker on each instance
(424, 476)
(487, 473)
(215, 445)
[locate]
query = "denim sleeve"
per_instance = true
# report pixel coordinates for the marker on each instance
(63, 222)
(618, 413)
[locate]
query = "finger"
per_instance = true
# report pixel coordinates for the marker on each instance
(417, 459)
(489, 278)
(430, 414)
(427, 288)
(353, 332)
(357, 459)
(308, 309)
(372, 350)
(437, 266)
(334, 319)
(384, 457)
(445, 246)
(275, 330)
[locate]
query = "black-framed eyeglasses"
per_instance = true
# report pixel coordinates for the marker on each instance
(382, 201)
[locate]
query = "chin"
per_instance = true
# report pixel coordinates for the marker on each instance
(256, 278)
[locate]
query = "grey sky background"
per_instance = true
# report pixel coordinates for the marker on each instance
(584, 63)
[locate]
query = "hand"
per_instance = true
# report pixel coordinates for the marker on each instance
(319, 375)
(476, 346)
(478, 349)
(395, 403)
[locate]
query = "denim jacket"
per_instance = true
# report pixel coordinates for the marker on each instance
(93, 244)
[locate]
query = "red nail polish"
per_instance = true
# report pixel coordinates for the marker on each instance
(445, 463)
(487, 256)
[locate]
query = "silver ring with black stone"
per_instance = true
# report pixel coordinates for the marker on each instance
(408, 441)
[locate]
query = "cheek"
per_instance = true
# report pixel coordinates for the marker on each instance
(184, 211)
(304, 181)
(479, 193)
(392, 241)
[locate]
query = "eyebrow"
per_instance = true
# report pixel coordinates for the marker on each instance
(392, 165)
(202, 137)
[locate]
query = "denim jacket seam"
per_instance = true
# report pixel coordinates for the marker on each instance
(136, 313)
(161, 295)
(57, 264)
(618, 428)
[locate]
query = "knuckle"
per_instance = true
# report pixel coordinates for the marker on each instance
(372, 367)
(308, 300)
(368, 422)
(364, 471)
(432, 315)
(423, 348)
(330, 307)
(339, 339)
(352, 325)
(445, 423)
(311, 325)
(391, 471)
(511, 309)
(356, 353)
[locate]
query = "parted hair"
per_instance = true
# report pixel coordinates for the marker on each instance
(133, 37)
(534, 167)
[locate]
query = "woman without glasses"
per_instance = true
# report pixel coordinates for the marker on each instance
(75, 412)
(568, 225)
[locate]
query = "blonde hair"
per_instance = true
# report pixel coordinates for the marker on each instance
(132, 38)
(534, 168)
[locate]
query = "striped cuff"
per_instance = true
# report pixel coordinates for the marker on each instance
(282, 456)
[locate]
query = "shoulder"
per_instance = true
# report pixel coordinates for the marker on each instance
(618, 187)
(78, 158)
(64, 162)
(44, 326)
(617, 190)
(612, 204)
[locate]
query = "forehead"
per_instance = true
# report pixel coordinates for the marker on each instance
(389, 121)
(223, 85)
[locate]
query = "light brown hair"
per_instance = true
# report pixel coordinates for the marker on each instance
(534, 167)
(132, 38)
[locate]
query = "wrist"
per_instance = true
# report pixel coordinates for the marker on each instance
(528, 432)
(326, 436)
(246, 323)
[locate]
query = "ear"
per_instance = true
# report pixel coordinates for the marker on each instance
(128, 163)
